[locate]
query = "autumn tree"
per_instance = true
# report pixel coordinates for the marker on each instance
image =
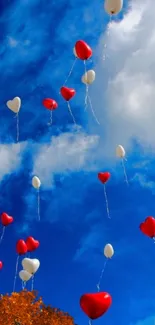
(26, 308)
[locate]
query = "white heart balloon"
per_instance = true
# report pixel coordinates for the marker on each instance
(14, 104)
(24, 275)
(31, 265)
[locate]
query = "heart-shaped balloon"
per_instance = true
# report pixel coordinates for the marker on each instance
(6, 219)
(31, 265)
(1, 265)
(104, 177)
(24, 275)
(50, 104)
(14, 104)
(148, 227)
(21, 247)
(32, 244)
(67, 93)
(94, 305)
(83, 50)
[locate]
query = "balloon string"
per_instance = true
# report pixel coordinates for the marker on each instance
(51, 118)
(38, 205)
(17, 116)
(124, 170)
(106, 201)
(16, 270)
(108, 33)
(23, 285)
(70, 72)
(86, 97)
(90, 322)
(32, 286)
(2, 235)
(101, 275)
(70, 111)
(91, 107)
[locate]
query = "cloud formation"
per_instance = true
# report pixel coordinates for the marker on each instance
(10, 157)
(126, 79)
(66, 153)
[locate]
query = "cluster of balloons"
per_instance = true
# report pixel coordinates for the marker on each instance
(94, 305)
(31, 265)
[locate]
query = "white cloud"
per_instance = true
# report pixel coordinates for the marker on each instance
(12, 42)
(146, 321)
(126, 79)
(10, 158)
(68, 152)
(144, 182)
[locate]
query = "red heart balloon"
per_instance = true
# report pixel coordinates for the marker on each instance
(6, 219)
(95, 305)
(50, 104)
(32, 244)
(148, 227)
(67, 93)
(21, 247)
(104, 177)
(1, 265)
(83, 50)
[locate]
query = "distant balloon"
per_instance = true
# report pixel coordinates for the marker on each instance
(113, 7)
(120, 151)
(88, 77)
(50, 104)
(83, 50)
(108, 251)
(14, 105)
(36, 183)
(104, 177)
(1, 265)
(68, 93)
(148, 227)
(6, 219)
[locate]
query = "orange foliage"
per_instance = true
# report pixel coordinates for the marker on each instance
(25, 308)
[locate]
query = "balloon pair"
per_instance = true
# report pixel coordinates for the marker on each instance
(82, 51)
(23, 247)
(30, 267)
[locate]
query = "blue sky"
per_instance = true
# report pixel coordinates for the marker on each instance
(37, 40)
